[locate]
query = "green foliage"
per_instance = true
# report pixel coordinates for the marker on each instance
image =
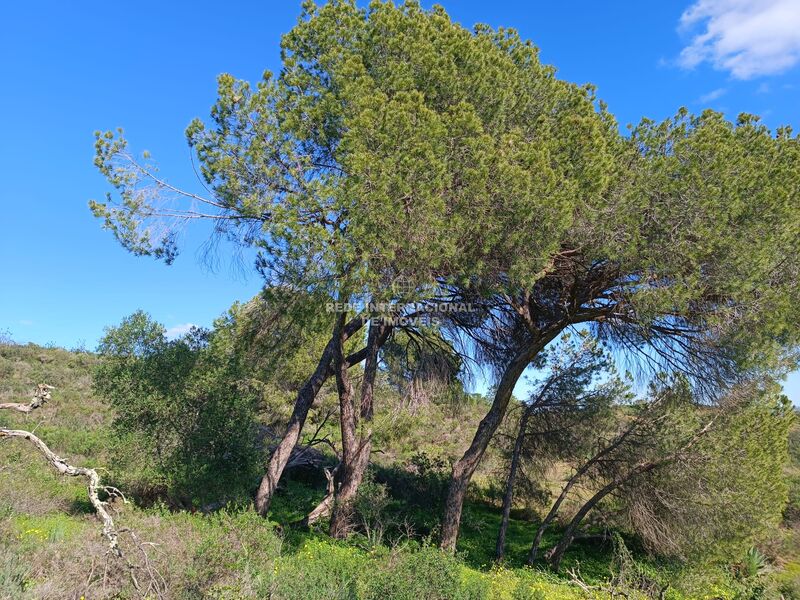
(703, 193)
(393, 141)
(576, 400)
(184, 416)
(319, 571)
(423, 366)
(49, 537)
(277, 336)
(190, 413)
(729, 492)
(427, 573)
(754, 563)
(387, 130)
(792, 512)
(14, 575)
(371, 502)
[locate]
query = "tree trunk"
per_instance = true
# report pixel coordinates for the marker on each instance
(508, 498)
(355, 459)
(569, 533)
(348, 421)
(552, 515)
(305, 398)
(616, 443)
(465, 467)
(323, 509)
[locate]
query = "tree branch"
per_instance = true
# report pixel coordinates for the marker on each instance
(40, 396)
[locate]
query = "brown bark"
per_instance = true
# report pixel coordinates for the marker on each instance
(509, 495)
(355, 459)
(508, 498)
(569, 533)
(305, 398)
(557, 554)
(616, 443)
(465, 467)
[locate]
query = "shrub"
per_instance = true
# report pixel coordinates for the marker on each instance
(318, 571)
(185, 418)
(427, 573)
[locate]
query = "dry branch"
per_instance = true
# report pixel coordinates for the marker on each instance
(40, 396)
(155, 584)
(64, 468)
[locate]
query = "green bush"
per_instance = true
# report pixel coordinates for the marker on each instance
(184, 414)
(319, 571)
(427, 573)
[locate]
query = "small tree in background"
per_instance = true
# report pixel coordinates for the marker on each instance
(423, 367)
(728, 493)
(691, 478)
(570, 403)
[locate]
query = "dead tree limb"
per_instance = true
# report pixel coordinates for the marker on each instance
(156, 585)
(40, 396)
(60, 465)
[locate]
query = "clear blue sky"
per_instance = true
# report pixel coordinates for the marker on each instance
(68, 69)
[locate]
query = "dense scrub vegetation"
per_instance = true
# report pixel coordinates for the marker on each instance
(51, 547)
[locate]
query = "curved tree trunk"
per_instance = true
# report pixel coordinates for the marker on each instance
(508, 498)
(305, 398)
(282, 452)
(356, 459)
(569, 533)
(553, 512)
(94, 488)
(323, 509)
(465, 467)
(616, 443)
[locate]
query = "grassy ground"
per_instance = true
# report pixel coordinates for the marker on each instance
(51, 547)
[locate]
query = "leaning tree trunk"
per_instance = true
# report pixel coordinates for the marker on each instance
(355, 457)
(465, 467)
(616, 443)
(305, 398)
(569, 533)
(554, 511)
(512, 475)
(347, 417)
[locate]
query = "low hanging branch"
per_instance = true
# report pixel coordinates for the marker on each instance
(41, 396)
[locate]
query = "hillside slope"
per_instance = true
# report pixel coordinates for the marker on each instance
(51, 547)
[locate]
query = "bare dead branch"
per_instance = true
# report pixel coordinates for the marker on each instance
(40, 396)
(64, 468)
(155, 582)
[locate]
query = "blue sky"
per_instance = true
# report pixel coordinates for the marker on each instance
(69, 69)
